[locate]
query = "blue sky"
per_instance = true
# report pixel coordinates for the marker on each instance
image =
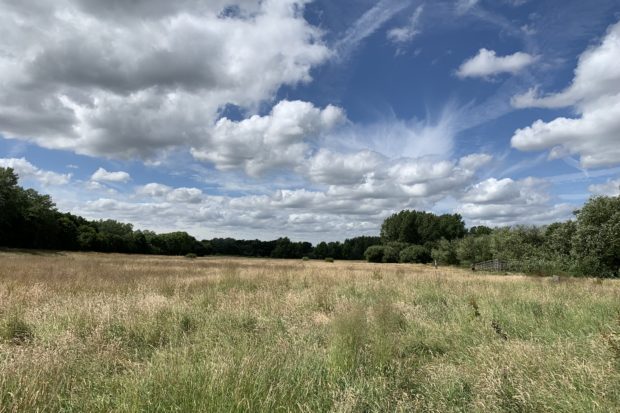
(311, 119)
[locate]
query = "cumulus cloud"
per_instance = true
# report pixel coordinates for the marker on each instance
(133, 78)
(487, 64)
(343, 169)
(101, 175)
(358, 191)
(25, 169)
(280, 139)
(506, 202)
(176, 195)
(410, 180)
(405, 34)
(609, 188)
(595, 95)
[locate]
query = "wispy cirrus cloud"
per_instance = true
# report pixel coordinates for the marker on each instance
(371, 21)
(404, 34)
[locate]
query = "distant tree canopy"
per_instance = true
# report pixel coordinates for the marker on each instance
(31, 220)
(588, 245)
(419, 227)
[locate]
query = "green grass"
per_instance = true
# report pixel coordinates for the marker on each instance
(114, 333)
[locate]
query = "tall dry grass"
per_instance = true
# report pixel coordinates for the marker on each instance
(94, 332)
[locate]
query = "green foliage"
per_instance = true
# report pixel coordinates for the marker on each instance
(588, 246)
(415, 254)
(284, 248)
(390, 254)
(445, 252)
(480, 230)
(473, 249)
(374, 253)
(418, 227)
(596, 242)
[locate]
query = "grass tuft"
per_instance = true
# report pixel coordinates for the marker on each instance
(16, 331)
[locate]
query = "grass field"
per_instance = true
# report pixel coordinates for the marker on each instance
(100, 333)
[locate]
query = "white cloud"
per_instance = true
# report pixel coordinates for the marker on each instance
(175, 195)
(609, 188)
(343, 169)
(101, 175)
(354, 201)
(463, 6)
(135, 78)
(261, 143)
(475, 161)
(495, 202)
(595, 95)
(26, 170)
(406, 33)
(367, 24)
(494, 191)
(154, 190)
(487, 64)
(396, 138)
(409, 180)
(185, 195)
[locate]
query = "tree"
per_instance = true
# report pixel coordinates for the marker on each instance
(374, 253)
(284, 249)
(321, 251)
(419, 227)
(480, 230)
(9, 193)
(445, 252)
(596, 241)
(354, 248)
(451, 226)
(474, 249)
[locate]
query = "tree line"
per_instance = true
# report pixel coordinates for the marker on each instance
(587, 245)
(31, 220)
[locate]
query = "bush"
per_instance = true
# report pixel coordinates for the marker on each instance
(305, 258)
(390, 254)
(190, 255)
(415, 253)
(374, 253)
(329, 259)
(445, 252)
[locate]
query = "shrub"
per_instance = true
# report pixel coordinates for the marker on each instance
(329, 259)
(415, 253)
(445, 252)
(305, 258)
(390, 254)
(190, 255)
(374, 253)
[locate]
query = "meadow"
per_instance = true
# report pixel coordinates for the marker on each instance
(87, 332)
